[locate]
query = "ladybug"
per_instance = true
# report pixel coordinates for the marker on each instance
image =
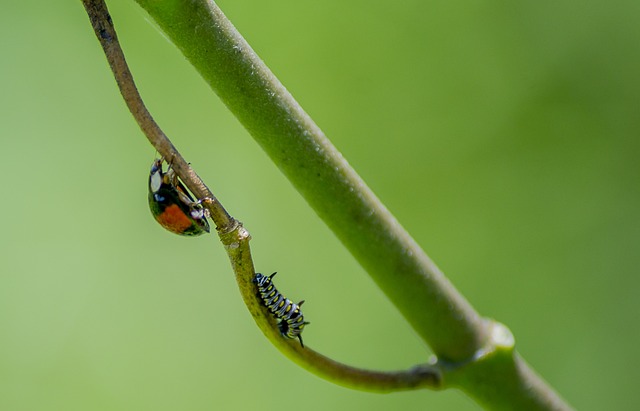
(171, 204)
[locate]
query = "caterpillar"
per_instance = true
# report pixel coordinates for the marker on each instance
(290, 319)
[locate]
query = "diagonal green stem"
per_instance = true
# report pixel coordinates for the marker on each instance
(483, 365)
(476, 354)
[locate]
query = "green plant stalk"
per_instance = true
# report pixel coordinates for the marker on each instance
(438, 313)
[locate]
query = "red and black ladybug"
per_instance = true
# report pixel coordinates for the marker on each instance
(171, 204)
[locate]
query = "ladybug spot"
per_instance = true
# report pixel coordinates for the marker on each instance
(174, 219)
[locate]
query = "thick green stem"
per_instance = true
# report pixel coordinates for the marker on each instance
(481, 362)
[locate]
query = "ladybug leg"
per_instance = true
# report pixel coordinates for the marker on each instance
(198, 212)
(197, 205)
(184, 197)
(171, 177)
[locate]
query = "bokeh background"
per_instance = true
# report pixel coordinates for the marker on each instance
(504, 136)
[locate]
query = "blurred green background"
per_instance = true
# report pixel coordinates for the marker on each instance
(504, 136)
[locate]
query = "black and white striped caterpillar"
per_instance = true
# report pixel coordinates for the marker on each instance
(290, 318)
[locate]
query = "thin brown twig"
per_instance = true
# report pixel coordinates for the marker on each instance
(106, 33)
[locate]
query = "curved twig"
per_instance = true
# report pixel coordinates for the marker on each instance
(235, 238)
